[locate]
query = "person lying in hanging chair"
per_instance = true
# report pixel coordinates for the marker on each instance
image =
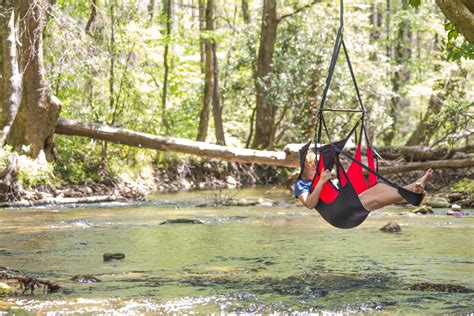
(375, 197)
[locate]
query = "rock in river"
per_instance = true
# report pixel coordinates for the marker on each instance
(456, 207)
(424, 209)
(113, 256)
(85, 278)
(436, 202)
(440, 288)
(181, 221)
(391, 228)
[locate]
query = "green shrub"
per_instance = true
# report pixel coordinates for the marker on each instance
(464, 185)
(31, 172)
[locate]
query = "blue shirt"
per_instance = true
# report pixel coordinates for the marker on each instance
(302, 186)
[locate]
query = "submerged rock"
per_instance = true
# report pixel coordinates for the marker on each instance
(436, 202)
(304, 285)
(454, 196)
(391, 228)
(456, 213)
(85, 278)
(424, 209)
(244, 202)
(181, 221)
(113, 256)
(440, 288)
(265, 202)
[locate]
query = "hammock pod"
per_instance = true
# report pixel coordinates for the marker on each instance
(340, 205)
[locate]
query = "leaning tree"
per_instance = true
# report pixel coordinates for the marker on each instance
(38, 112)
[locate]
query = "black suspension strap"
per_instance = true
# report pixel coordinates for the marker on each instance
(389, 165)
(352, 75)
(390, 183)
(335, 54)
(411, 197)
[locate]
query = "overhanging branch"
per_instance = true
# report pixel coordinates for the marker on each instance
(284, 16)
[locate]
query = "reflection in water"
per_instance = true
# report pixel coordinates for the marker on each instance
(243, 259)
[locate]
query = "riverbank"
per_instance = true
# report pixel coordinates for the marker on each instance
(178, 175)
(447, 186)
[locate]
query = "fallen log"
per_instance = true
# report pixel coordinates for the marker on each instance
(62, 200)
(417, 153)
(143, 140)
(408, 153)
(287, 158)
(434, 164)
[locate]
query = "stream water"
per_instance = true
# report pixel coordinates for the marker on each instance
(256, 259)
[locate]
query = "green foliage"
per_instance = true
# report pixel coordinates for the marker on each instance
(415, 3)
(76, 166)
(465, 185)
(78, 66)
(31, 172)
(453, 119)
(456, 50)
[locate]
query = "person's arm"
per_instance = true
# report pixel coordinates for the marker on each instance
(311, 199)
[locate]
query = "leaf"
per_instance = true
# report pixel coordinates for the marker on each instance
(452, 34)
(415, 3)
(448, 26)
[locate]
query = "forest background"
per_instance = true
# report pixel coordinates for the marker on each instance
(236, 73)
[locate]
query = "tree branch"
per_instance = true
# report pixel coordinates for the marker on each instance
(92, 16)
(460, 15)
(284, 16)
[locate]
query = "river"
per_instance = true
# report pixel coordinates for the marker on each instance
(255, 259)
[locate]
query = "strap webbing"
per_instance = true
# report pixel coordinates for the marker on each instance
(390, 183)
(352, 75)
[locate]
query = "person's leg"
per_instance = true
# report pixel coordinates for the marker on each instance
(381, 194)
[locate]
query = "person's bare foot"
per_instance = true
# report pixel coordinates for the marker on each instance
(418, 188)
(426, 177)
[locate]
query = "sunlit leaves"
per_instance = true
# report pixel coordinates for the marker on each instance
(415, 3)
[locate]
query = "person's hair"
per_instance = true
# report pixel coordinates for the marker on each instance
(309, 162)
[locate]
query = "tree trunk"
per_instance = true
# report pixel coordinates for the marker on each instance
(461, 14)
(168, 15)
(151, 10)
(202, 27)
(265, 115)
(11, 75)
(92, 16)
(245, 11)
(209, 73)
(375, 20)
(426, 128)
(216, 98)
(436, 164)
(143, 140)
(38, 112)
(388, 48)
(420, 153)
(216, 101)
(62, 201)
(401, 75)
(112, 53)
(253, 59)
